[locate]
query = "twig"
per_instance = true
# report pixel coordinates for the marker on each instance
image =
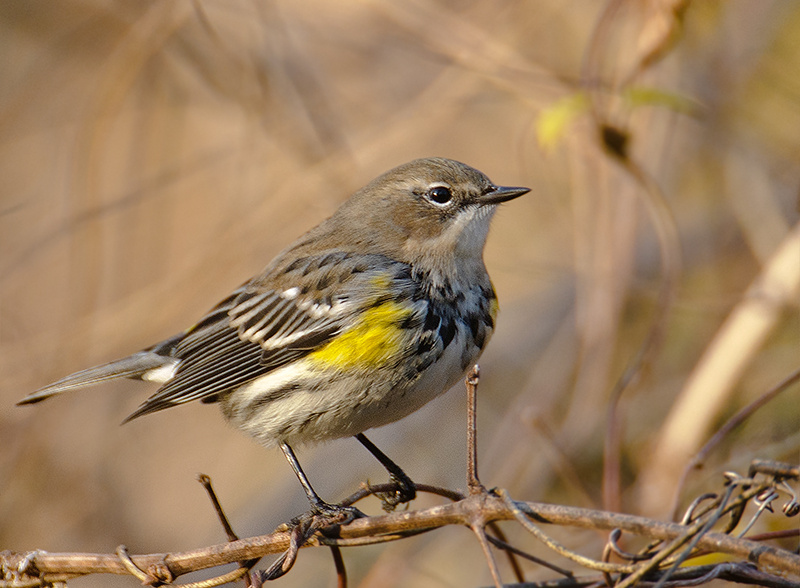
(223, 519)
(501, 541)
(693, 533)
(772, 535)
(696, 462)
(245, 565)
(503, 544)
(231, 576)
(480, 533)
(474, 486)
(556, 546)
(377, 489)
(132, 568)
(341, 571)
(473, 482)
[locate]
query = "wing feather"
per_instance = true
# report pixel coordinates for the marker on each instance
(274, 320)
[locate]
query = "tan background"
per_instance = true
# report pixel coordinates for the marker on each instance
(154, 155)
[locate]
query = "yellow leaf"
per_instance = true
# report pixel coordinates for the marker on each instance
(552, 123)
(642, 96)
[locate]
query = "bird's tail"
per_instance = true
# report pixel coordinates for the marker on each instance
(154, 364)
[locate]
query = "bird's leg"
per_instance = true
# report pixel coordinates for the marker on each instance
(319, 506)
(406, 490)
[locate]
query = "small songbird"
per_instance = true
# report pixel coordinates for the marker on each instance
(361, 321)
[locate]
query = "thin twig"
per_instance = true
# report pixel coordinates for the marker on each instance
(693, 535)
(373, 489)
(133, 569)
(371, 540)
(503, 544)
(341, 571)
(245, 565)
(613, 547)
(473, 482)
(556, 546)
(480, 533)
(696, 462)
(223, 519)
(772, 535)
(231, 576)
(501, 541)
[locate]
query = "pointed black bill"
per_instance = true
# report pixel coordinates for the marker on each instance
(502, 194)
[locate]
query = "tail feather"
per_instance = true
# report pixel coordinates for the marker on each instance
(147, 364)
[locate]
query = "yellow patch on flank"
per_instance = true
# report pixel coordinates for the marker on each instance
(374, 341)
(494, 308)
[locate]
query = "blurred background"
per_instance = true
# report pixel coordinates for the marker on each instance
(155, 155)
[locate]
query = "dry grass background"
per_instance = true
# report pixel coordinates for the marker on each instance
(154, 155)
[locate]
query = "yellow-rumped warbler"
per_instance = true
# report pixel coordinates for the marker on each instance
(360, 322)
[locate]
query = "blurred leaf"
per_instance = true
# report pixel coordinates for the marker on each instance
(636, 96)
(662, 28)
(707, 560)
(553, 121)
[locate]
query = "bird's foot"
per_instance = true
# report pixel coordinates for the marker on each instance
(405, 491)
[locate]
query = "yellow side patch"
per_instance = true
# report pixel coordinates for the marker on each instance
(494, 308)
(374, 341)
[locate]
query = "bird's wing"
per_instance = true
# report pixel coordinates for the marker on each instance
(274, 320)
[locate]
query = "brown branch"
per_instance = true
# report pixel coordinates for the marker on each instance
(60, 566)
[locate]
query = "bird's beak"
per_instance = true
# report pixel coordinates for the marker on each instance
(502, 194)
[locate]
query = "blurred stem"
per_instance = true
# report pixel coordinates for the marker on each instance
(655, 40)
(710, 385)
(669, 248)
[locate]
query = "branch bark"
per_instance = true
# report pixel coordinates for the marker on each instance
(57, 566)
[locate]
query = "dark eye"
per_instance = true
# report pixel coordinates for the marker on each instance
(440, 194)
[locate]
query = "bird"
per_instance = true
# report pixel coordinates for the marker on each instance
(361, 321)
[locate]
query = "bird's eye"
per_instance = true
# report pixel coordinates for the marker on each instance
(440, 194)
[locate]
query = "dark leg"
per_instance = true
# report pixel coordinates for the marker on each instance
(406, 490)
(318, 505)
